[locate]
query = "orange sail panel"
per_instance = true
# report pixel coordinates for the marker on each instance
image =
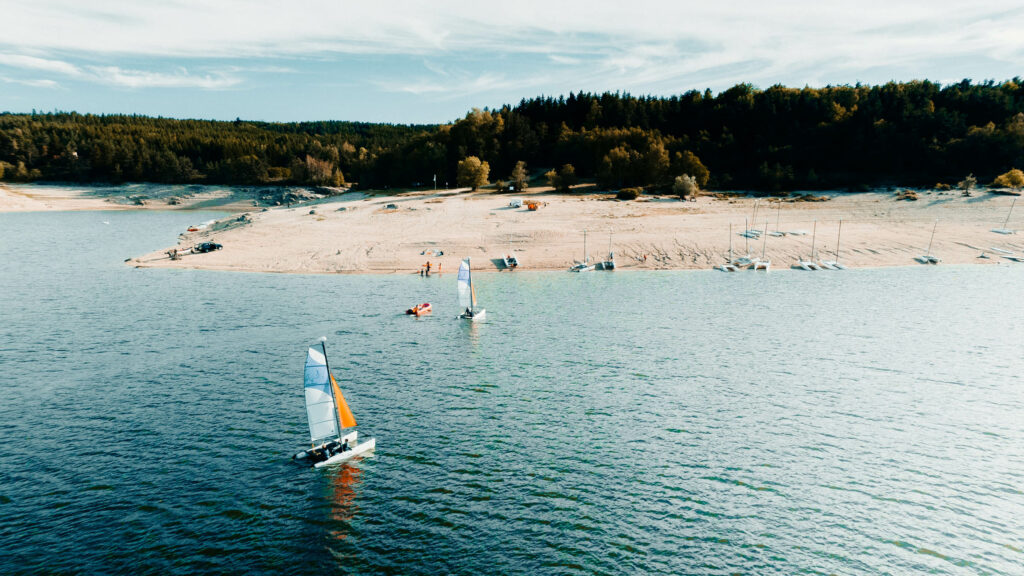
(344, 414)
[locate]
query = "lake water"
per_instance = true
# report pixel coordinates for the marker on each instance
(857, 422)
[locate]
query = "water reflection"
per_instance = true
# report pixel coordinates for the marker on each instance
(343, 481)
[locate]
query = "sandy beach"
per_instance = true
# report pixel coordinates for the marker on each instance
(45, 198)
(50, 198)
(353, 233)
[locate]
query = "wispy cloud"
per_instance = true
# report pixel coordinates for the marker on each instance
(447, 50)
(35, 83)
(115, 76)
(40, 64)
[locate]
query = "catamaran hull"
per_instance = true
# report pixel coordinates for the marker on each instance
(356, 450)
(478, 315)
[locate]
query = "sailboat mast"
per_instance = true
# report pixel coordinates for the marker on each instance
(1008, 214)
(730, 243)
(586, 259)
(764, 241)
(472, 293)
(839, 235)
(929, 251)
(746, 236)
(334, 401)
(778, 215)
(814, 234)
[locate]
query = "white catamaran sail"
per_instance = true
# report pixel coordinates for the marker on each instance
(328, 415)
(467, 295)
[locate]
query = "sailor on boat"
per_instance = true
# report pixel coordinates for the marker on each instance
(329, 415)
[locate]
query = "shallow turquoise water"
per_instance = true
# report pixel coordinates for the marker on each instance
(862, 422)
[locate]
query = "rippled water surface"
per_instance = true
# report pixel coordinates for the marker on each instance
(858, 422)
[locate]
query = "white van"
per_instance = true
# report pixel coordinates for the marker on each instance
(516, 203)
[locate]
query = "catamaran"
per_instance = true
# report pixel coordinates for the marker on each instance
(763, 263)
(778, 216)
(811, 264)
(928, 258)
(584, 266)
(743, 261)
(328, 415)
(1004, 229)
(834, 264)
(467, 295)
(729, 265)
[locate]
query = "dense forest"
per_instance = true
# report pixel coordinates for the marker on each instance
(915, 133)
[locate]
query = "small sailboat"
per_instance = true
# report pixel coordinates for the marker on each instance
(1004, 229)
(584, 266)
(744, 261)
(763, 263)
(467, 295)
(778, 216)
(754, 233)
(729, 265)
(811, 264)
(608, 264)
(928, 258)
(834, 264)
(329, 415)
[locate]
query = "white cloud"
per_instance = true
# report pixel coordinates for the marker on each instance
(114, 76)
(41, 64)
(640, 45)
(31, 82)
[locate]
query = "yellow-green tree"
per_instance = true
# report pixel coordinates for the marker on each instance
(688, 163)
(686, 186)
(472, 172)
(520, 178)
(1012, 179)
(563, 179)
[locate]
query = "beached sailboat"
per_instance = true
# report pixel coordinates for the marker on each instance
(928, 258)
(834, 264)
(778, 217)
(729, 266)
(811, 264)
(763, 263)
(467, 294)
(1004, 229)
(584, 266)
(329, 416)
(744, 261)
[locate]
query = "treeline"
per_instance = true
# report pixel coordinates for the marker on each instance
(915, 133)
(116, 148)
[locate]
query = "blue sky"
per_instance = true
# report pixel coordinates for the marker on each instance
(410, 62)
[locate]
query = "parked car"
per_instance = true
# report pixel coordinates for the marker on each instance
(516, 203)
(391, 207)
(206, 247)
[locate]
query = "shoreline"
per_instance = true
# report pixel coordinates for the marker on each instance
(359, 233)
(398, 234)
